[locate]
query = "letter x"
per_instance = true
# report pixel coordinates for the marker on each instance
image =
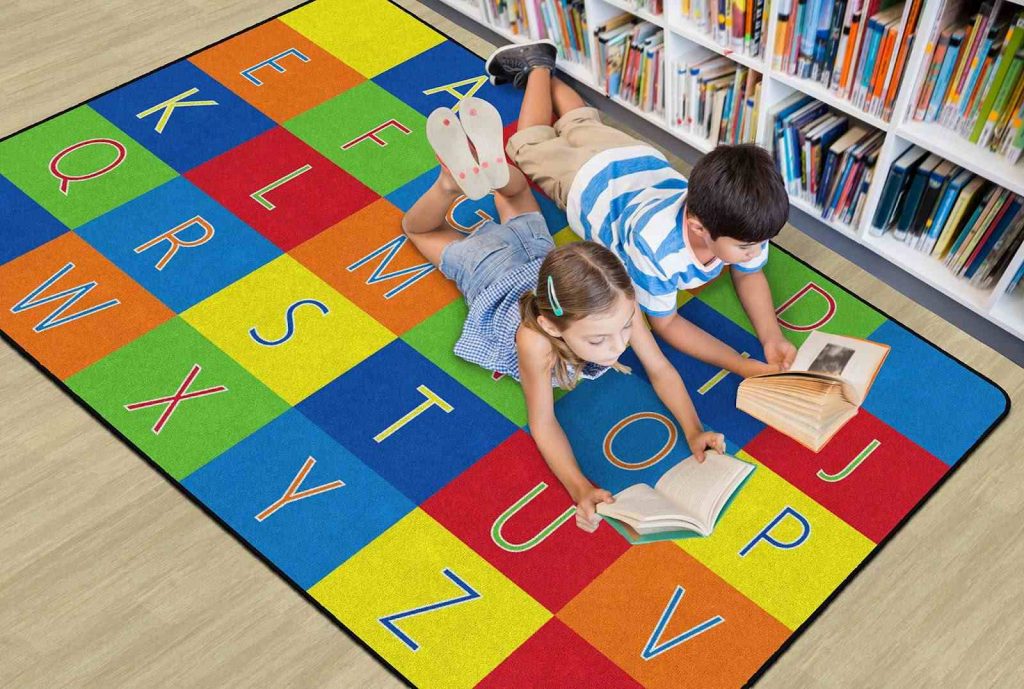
(174, 400)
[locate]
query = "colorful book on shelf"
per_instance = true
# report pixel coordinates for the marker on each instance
(967, 205)
(906, 38)
(973, 41)
(932, 75)
(930, 195)
(981, 62)
(782, 25)
(986, 225)
(945, 75)
(851, 52)
(1005, 248)
(1006, 217)
(895, 187)
(979, 221)
(758, 32)
(1004, 101)
(863, 155)
(847, 166)
(840, 59)
(969, 107)
(1011, 45)
(808, 35)
(944, 210)
(908, 211)
(823, 70)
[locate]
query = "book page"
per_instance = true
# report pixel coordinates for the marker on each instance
(639, 504)
(702, 489)
(854, 360)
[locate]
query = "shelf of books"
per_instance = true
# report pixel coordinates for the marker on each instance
(899, 124)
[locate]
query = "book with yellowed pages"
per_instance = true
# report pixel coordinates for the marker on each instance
(687, 500)
(823, 389)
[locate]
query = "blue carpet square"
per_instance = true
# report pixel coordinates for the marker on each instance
(26, 225)
(192, 134)
(929, 397)
(717, 406)
(310, 536)
(447, 63)
(428, 451)
(588, 419)
(192, 273)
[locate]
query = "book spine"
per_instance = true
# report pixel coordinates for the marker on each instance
(1010, 47)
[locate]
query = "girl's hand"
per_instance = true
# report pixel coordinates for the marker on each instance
(586, 518)
(706, 441)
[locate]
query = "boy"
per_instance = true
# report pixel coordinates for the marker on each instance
(671, 233)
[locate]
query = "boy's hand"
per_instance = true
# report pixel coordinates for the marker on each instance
(586, 518)
(753, 367)
(705, 441)
(779, 352)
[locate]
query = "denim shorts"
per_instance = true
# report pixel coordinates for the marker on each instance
(476, 261)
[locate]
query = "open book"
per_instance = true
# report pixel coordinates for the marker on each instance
(687, 500)
(824, 388)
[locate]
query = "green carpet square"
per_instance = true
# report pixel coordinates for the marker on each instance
(155, 366)
(370, 134)
(39, 162)
(839, 312)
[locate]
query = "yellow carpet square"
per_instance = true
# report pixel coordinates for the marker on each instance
(328, 333)
(403, 570)
(370, 36)
(787, 583)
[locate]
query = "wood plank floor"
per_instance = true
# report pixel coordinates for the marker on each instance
(111, 578)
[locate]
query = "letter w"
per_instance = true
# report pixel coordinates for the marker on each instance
(378, 274)
(70, 296)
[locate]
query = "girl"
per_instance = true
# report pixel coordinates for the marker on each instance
(545, 316)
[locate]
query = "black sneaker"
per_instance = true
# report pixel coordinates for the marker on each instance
(514, 62)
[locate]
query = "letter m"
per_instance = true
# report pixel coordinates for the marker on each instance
(389, 250)
(70, 297)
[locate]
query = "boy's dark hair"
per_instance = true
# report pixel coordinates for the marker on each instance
(736, 191)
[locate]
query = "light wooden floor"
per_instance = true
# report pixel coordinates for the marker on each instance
(110, 578)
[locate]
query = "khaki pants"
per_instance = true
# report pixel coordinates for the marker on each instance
(551, 156)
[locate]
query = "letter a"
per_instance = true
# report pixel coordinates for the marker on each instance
(452, 89)
(655, 647)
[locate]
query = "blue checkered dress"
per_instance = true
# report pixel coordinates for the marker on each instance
(489, 334)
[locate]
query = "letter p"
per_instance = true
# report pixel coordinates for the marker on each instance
(766, 535)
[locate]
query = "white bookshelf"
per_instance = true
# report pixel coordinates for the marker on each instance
(682, 37)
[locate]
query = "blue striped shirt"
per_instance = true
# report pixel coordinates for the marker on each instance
(631, 200)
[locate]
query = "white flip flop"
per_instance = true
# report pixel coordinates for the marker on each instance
(452, 148)
(482, 124)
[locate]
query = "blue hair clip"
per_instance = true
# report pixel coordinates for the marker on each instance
(555, 306)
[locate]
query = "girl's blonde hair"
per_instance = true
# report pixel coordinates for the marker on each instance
(586, 279)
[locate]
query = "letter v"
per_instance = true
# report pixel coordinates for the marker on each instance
(655, 646)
